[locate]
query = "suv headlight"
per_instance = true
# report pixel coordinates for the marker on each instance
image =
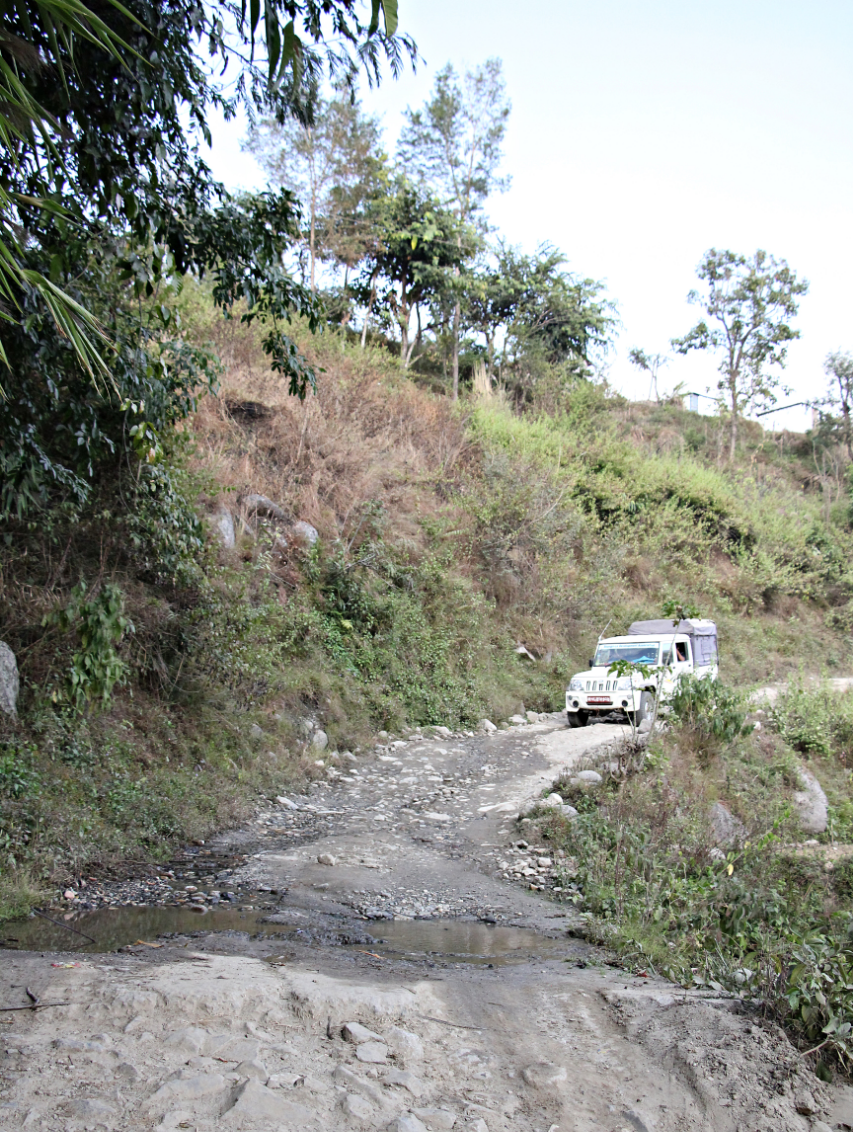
(624, 683)
(575, 685)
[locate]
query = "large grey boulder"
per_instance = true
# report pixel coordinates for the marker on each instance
(263, 506)
(223, 528)
(9, 681)
(304, 533)
(726, 829)
(810, 803)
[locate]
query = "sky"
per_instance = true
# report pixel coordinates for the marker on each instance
(643, 134)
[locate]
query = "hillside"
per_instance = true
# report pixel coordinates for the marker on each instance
(168, 680)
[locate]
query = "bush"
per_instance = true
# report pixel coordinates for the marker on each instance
(816, 722)
(708, 711)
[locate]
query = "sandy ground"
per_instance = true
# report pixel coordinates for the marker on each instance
(213, 1036)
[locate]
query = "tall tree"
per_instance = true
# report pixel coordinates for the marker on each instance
(419, 248)
(839, 369)
(539, 309)
(454, 146)
(749, 304)
(334, 165)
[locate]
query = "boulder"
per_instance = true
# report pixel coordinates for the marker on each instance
(252, 1101)
(262, 506)
(357, 1034)
(726, 829)
(442, 732)
(517, 720)
(303, 533)
(592, 777)
(319, 740)
(552, 801)
(9, 681)
(568, 812)
(486, 726)
(223, 528)
(810, 803)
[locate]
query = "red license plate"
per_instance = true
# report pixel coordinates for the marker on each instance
(598, 699)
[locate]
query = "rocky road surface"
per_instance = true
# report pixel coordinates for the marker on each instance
(324, 1026)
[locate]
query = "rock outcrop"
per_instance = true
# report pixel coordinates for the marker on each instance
(9, 681)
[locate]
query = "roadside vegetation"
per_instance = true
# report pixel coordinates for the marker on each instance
(696, 865)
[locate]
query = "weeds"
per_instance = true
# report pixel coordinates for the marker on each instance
(816, 721)
(753, 917)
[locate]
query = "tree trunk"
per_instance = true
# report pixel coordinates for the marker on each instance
(370, 302)
(733, 431)
(848, 432)
(403, 319)
(312, 239)
(457, 315)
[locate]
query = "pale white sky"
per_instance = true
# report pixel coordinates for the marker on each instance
(643, 134)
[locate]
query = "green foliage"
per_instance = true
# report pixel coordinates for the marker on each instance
(99, 624)
(708, 709)
(679, 611)
(18, 777)
(756, 919)
(820, 994)
(816, 721)
(166, 533)
(749, 306)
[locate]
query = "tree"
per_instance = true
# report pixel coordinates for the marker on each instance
(839, 369)
(419, 249)
(105, 203)
(95, 105)
(749, 304)
(651, 364)
(453, 146)
(539, 309)
(335, 166)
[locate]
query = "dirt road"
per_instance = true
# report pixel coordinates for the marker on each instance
(328, 1027)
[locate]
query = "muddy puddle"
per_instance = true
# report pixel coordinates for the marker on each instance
(464, 942)
(113, 928)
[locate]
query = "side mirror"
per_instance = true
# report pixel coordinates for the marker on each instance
(592, 662)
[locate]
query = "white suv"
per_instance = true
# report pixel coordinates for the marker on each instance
(668, 651)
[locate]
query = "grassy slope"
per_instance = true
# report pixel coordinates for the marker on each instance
(449, 536)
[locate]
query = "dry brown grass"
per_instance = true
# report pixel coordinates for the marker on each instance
(365, 436)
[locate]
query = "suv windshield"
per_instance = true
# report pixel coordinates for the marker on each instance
(644, 652)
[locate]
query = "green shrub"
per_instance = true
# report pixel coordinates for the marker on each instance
(709, 710)
(816, 721)
(99, 623)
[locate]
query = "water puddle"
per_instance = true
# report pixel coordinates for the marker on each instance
(464, 942)
(112, 928)
(447, 940)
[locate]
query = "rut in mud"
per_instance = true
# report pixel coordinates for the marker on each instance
(389, 897)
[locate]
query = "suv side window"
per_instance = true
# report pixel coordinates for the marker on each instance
(682, 652)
